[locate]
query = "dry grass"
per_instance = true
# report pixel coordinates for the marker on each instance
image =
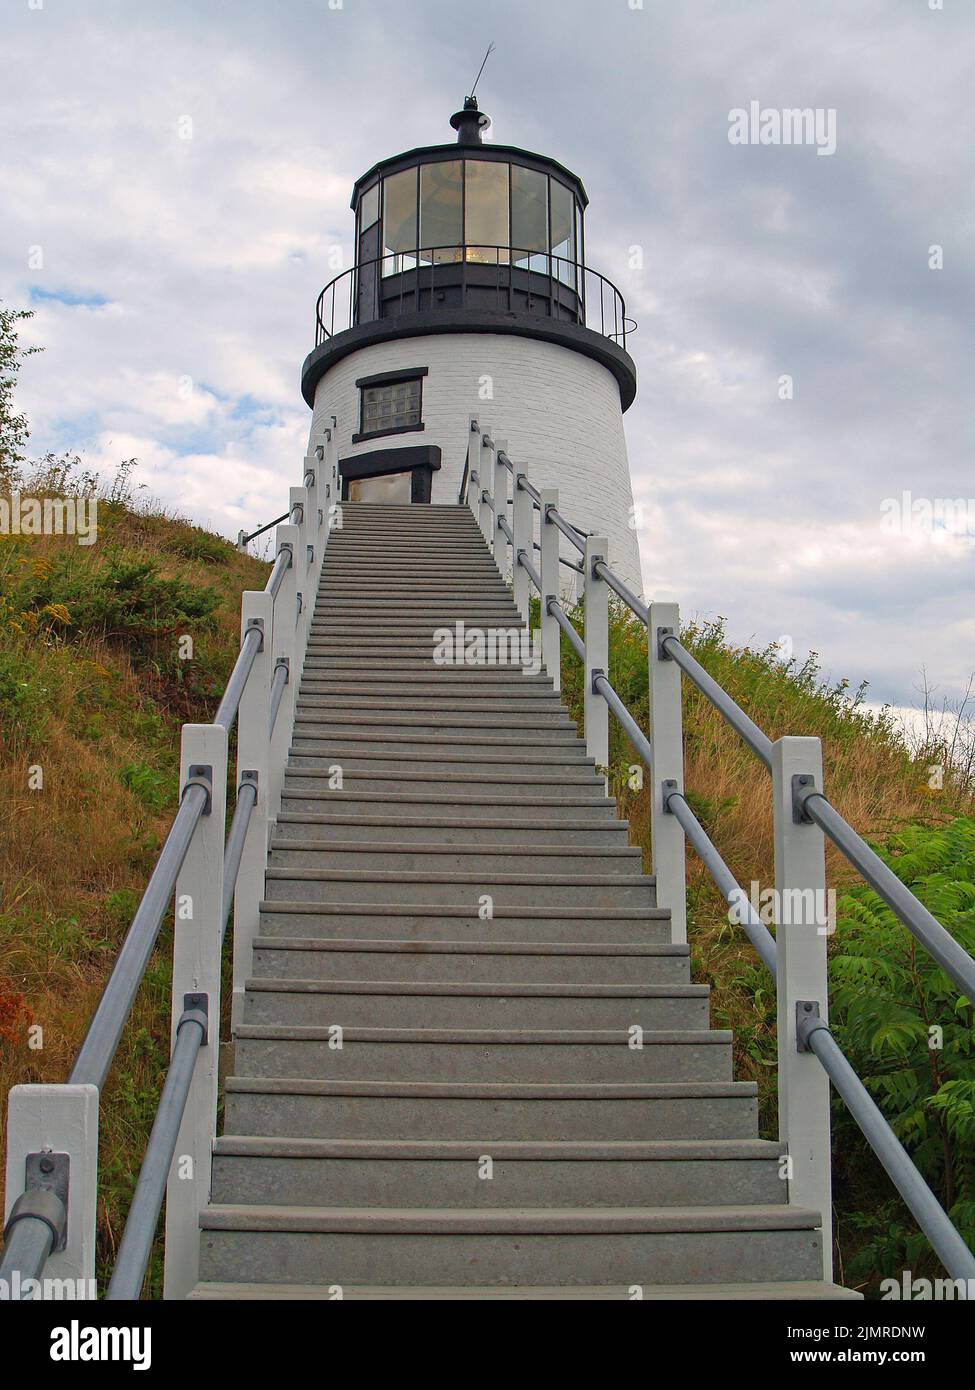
(102, 724)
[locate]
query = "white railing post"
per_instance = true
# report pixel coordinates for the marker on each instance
(485, 473)
(667, 773)
(61, 1120)
(284, 649)
(315, 463)
(253, 750)
(500, 488)
(303, 564)
(548, 537)
(596, 632)
(473, 464)
(196, 984)
(802, 926)
(523, 530)
(333, 491)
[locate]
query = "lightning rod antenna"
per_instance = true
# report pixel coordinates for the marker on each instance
(490, 50)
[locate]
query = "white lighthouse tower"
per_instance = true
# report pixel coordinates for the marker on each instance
(471, 296)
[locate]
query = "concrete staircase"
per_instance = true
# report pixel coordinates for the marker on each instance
(482, 1126)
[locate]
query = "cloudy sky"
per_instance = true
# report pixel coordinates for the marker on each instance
(174, 279)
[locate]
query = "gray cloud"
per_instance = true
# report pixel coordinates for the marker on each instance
(757, 262)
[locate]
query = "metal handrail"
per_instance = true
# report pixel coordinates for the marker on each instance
(227, 710)
(244, 539)
(953, 959)
(244, 805)
(530, 569)
(400, 282)
(38, 1220)
(930, 1215)
(575, 641)
(525, 486)
(135, 1246)
(101, 1041)
(746, 728)
(467, 475)
(506, 529)
(278, 682)
(813, 1032)
(602, 571)
(276, 578)
(571, 533)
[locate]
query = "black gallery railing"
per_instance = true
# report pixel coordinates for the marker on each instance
(502, 279)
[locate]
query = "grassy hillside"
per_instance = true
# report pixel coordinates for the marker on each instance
(886, 996)
(95, 681)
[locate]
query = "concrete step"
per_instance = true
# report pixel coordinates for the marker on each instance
(448, 729)
(395, 659)
(487, 1111)
(467, 745)
(409, 1004)
(429, 625)
(518, 809)
(362, 775)
(443, 613)
(438, 557)
(544, 707)
(353, 565)
(432, 827)
(445, 683)
(323, 679)
(414, 602)
(380, 756)
(390, 856)
(793, 1291)
(424, 588)
(254, 1170)
(563, 891)
(339, 1245)
(427, 959)
(482, 703)
(456, 921)
(399, 1052)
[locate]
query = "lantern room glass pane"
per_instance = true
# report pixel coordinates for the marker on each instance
(486, 211)
(399, 222)
(441, 211)
(529, 218)
(563, 232)
(369, 207)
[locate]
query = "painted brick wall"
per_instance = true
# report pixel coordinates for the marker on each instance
(558, 410)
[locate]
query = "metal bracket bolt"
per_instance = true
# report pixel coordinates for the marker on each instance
(259, 624)
(663, 633)
(801, 780)
(196, 1009)
(667, 789)
(808, 1020)
(45, 1195)
(200, 775)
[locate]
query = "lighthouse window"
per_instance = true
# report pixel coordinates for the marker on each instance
(369, 208)
(441, 211)
(390, 405)
(486, 211)
(399, 222)
(563, 232)
(529, 217)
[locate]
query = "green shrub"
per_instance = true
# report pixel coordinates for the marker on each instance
(908, 1034)
(193, 543)
(125, 599)
(148, 785)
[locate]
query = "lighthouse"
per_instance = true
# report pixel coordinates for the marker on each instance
(471, 295)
